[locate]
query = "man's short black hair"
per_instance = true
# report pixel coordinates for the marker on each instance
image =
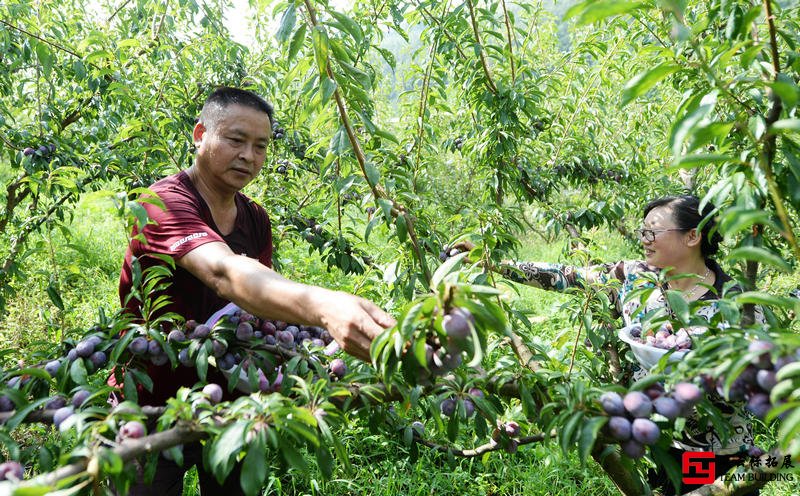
(226, 96)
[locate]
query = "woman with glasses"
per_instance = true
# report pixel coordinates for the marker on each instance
(676, 237)
(680, 238)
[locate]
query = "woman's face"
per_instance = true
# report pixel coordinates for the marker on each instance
(671, 246)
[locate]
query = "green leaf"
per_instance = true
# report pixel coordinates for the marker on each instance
(255, 465)
(686, 125)
(678, 305)
(593, 11)
(319, 39)
(642, 82)
(55, 297)
(761, 255)
(767, 299)
(402, 228)
(225, 448)
(21, 413)
(589, 431)
(695, 160)
(565, 433)
(292, 456)
(340, 143)
(349, 25)
(785, 126)
(77, 371)
(790, 428)
(327, 87)
(450, 265)
(129, 387)
(373, 174)
(33, 491)
(325, 461)
(288, 20)
(297, 42)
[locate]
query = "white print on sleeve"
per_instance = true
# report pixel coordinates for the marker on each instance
(174, 246)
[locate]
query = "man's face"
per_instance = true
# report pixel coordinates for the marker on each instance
(232, 151)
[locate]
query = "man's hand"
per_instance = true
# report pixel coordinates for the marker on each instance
(352, 321)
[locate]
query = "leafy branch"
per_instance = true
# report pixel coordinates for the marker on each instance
(397, 210)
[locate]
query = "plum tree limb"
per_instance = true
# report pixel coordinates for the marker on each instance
(479, 450)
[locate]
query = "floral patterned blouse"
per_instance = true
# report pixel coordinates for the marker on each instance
(557, 277)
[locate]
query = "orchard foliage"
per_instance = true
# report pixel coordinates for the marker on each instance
(404, 127)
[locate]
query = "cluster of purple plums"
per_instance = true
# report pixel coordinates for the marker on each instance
(42, 150)
(763, 383)
(442, 356)
(631, 421)
(666, 338)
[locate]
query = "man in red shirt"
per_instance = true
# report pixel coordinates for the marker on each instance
(222, 246)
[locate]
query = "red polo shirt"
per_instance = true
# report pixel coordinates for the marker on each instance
(182, 226)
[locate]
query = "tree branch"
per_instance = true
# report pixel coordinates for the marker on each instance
(479, 450)
(482, 53)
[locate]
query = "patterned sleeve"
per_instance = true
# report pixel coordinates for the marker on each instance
(558, 277)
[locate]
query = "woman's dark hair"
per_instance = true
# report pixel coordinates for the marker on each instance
(225, 96)
(687, 215)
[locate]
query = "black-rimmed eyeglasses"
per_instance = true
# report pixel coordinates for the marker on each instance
(649, 235)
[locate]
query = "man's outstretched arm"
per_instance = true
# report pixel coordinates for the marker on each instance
(353, 321)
